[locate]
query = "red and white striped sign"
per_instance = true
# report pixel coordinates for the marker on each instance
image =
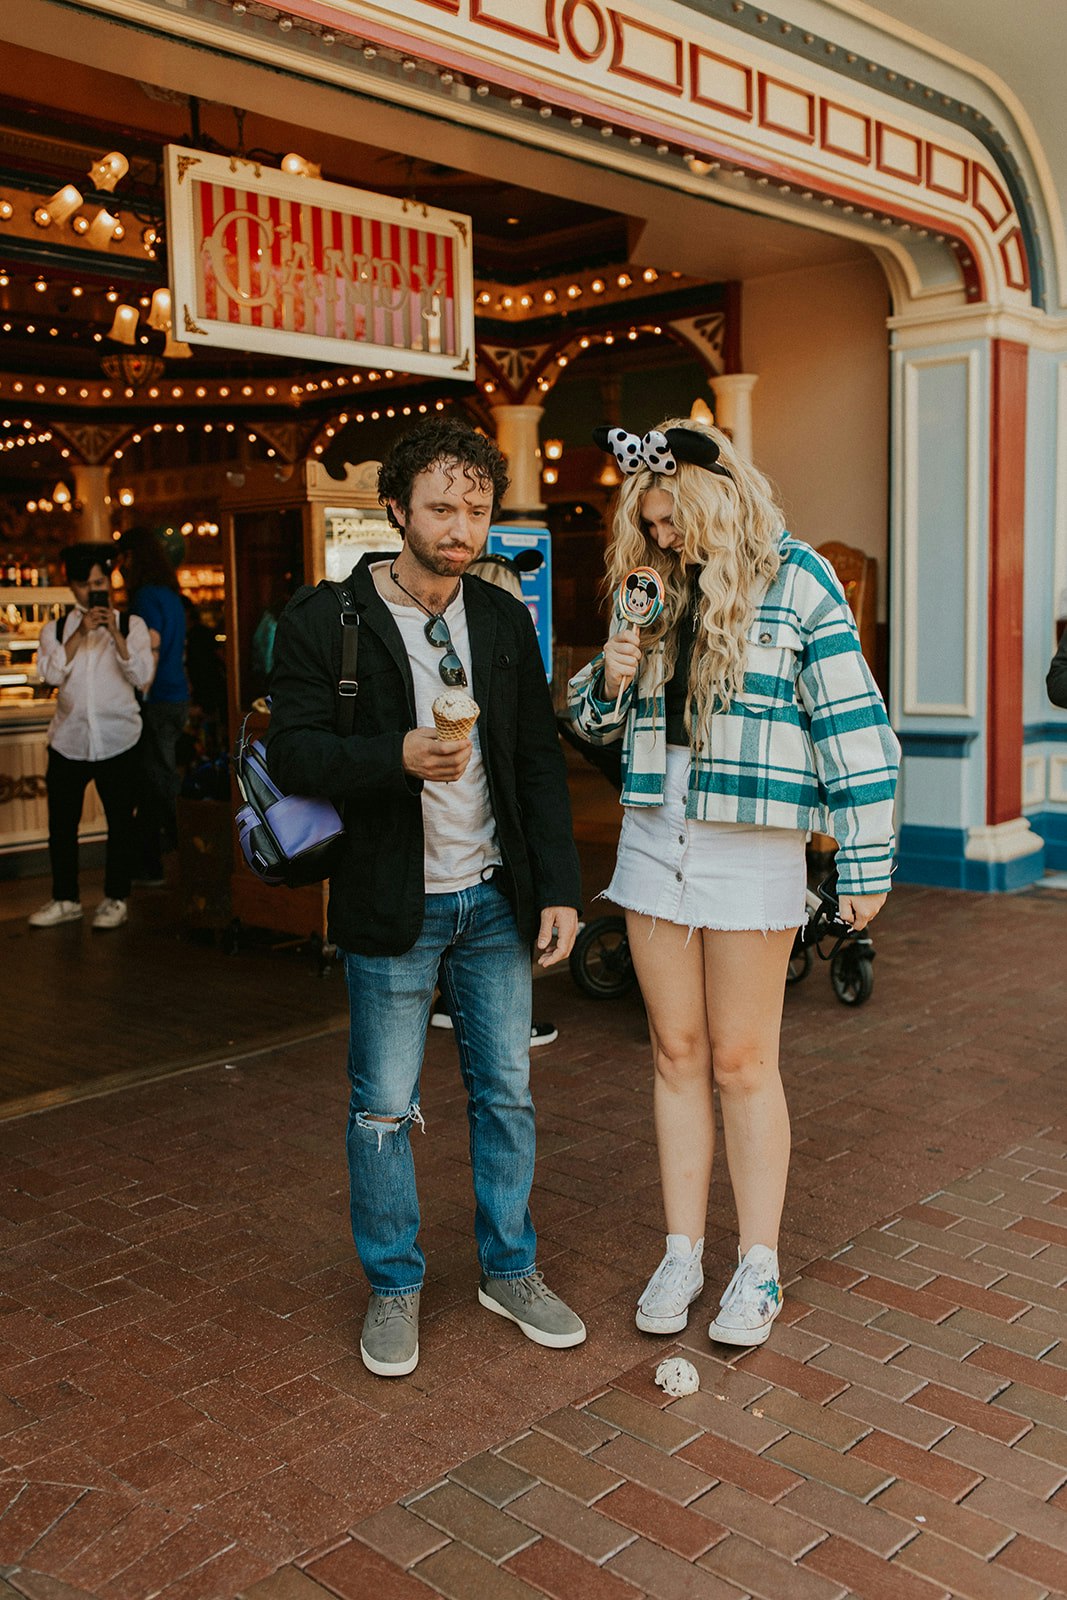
(261, 260)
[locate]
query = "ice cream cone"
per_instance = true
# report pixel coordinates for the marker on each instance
(454, 715)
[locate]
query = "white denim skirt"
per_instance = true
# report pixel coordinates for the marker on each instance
(733, 876)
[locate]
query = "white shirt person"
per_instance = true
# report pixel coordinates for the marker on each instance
(97, 715)
(98, 668)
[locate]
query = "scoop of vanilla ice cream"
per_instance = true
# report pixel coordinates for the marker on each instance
(455, 705)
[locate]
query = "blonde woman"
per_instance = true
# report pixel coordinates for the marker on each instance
(747, 717)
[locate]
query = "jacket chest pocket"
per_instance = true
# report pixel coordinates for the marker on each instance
(772, 665)
(381, 703)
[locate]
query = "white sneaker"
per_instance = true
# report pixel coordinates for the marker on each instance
(752, 1300)
(672, 1288)
(110, 914)
(56, 911)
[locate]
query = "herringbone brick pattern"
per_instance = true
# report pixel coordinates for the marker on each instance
(183, 1411)
(922, 1455)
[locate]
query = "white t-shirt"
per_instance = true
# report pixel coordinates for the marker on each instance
(457, 818)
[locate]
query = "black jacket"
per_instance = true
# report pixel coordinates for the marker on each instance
(377, 889)
(1056, 682)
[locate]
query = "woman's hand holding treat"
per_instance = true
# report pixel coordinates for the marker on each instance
(622, 660)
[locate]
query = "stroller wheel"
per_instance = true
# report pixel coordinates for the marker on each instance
(600, 961)
(852, 976)
(799, 965)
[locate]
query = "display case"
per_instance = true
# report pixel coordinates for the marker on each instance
(26, 707)
(281, 529)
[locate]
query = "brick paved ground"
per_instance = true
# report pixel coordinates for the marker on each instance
(183, 1411)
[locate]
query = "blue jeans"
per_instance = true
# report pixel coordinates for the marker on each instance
(472, 938)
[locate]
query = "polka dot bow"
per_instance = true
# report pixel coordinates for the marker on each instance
(660, 452)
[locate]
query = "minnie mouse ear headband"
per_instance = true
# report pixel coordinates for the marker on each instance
(660, 452)
(521, 561)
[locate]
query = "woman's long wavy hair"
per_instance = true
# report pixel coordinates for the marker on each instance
(730, 528)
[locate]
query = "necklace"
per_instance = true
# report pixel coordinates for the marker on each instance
(418, 602)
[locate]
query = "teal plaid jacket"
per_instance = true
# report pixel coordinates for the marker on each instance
(807, 744)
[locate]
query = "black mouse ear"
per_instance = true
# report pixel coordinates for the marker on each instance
(696, 448)
(602, 436)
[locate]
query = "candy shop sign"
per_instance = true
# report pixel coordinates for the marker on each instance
(261, 260)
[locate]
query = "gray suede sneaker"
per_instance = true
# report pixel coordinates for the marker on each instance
(389, 1343)
(542, 1315)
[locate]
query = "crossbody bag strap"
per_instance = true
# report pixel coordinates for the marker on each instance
(348, 683)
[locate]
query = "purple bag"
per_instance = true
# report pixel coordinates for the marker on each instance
(290, 838)
(284, 838)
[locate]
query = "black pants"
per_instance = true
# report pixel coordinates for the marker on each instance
(67, 782)
(158, 782)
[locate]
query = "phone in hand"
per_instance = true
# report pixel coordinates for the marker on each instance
(99, 597)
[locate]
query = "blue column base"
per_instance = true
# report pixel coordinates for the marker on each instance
(1052, 826)
(936, 856)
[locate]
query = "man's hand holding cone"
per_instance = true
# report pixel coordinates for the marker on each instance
(441, 754)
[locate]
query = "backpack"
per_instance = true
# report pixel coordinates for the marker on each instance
(290, 838)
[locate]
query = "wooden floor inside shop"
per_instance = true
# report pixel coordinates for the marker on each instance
(84, 1012)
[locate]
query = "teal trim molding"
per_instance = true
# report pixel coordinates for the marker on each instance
(1052, 826)
(945, 746)
(936, 856)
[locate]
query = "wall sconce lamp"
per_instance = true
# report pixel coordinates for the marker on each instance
(610, 476)
(61, 494)
(176, 349)
(125, 497)
(161, 311)
(553, 449)
(103, 228)
(106, 172)
(550, 475)
(124, 328)
(299, 167)
(62, 205)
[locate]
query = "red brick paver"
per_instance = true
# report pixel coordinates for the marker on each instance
(183, 1412)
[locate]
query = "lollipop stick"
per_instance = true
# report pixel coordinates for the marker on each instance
(618, 697)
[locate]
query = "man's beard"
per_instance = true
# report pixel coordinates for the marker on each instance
(427, 555)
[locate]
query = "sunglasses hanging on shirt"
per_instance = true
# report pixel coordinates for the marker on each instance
(453, 674)
(450, 666)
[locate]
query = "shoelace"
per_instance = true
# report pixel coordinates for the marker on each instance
(744, 1278)
(533, 1287)
(668, 1278)
(397, 1305)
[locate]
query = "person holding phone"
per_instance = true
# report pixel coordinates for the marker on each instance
(98, 664)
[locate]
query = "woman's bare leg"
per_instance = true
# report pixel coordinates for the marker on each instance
(670, 969)
(745, 978)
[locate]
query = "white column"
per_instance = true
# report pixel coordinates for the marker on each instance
(516, 434)
(91, 488)
(733, 407)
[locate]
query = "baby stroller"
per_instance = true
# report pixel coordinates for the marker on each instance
(851, 954)
(600, 961)
(602, 968)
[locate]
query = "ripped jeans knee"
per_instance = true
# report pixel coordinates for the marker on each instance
(381, 1125)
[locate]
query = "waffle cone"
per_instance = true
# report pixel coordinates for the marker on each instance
(451, 728)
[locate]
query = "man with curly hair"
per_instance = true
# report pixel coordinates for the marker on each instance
(458, 854)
